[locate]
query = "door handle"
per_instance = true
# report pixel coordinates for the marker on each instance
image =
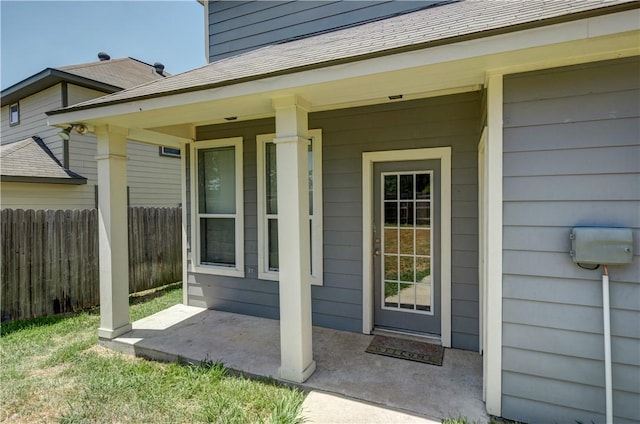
(376, 252)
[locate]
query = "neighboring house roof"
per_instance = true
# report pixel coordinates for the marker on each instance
(31, 160)
(442, 24)
(108, 76)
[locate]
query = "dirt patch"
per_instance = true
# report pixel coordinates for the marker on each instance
(105, 352)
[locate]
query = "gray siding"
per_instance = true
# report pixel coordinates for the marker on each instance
(240, 26)
(444, 121)
(571, 157)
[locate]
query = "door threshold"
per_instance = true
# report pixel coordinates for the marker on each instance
(400, 334)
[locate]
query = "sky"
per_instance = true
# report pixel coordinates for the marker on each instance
(35, 35)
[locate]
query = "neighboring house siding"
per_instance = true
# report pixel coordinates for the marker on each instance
(571, 158)
(239, 26)
(33, 120)
(444, 121)
(154, 180)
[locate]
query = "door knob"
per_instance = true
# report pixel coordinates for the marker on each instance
(376, 252)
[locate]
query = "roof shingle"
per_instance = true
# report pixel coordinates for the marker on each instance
(31, 158)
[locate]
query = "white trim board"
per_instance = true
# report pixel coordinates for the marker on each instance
(368, 159)
(196, 267)
(317, 225)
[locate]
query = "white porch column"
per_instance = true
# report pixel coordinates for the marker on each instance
(113, 231)
(493, 266)
(296, 353)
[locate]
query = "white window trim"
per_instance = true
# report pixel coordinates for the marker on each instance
(11, 121)
(316, 223)
(238, 271)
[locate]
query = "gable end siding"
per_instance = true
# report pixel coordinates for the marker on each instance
(571, 158)
(240, 26)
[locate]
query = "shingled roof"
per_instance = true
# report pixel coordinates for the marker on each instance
(30, 160)
(107, 75)
(441, 24)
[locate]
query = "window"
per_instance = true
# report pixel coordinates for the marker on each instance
(217, 207)
(14, 114)
(169, 151)
(268, 261)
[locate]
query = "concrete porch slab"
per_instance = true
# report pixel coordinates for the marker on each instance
(252, 346)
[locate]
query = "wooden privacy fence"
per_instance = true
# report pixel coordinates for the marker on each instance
(50, 258)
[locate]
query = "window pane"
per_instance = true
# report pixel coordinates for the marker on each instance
(274, 262)
(271, 178)
(423, 187)
(406, 186)
(218, 241)
(217, 180)
(390, 187)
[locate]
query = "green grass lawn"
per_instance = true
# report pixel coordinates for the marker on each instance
(53, 370)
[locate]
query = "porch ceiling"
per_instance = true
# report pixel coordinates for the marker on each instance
(434, 71)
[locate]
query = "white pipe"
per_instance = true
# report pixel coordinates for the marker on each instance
(607, 346)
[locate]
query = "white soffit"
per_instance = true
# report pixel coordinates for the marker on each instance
(420, 73)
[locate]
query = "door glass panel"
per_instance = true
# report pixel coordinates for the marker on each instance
(391, 187)
(406, 245)
(391, 267)
(423, 270)
(406, 213)
(391, 213)
(407, 296)
(423, 214)
(423, 242)
(406, 241)
(423, 186)
(391, 294)
(423, 297)
(406, 186)
(390, 240)
(406, 269)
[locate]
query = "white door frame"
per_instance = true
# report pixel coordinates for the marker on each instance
(368, 160)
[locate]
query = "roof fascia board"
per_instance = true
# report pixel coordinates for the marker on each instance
(577, 30)
(48, 78)
(42, 180)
